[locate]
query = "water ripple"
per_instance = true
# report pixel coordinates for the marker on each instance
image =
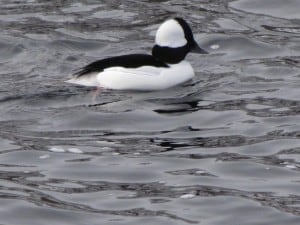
(230, 137)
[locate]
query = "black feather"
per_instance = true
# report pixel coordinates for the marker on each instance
(127, 61)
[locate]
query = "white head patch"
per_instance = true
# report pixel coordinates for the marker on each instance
(170, 34)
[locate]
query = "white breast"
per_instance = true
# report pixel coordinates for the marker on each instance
(145, 78)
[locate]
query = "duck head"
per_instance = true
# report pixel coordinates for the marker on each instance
(174, 40)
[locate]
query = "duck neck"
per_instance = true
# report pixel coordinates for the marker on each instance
(169, 55)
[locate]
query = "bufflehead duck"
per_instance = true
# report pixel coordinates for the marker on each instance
(165, 68)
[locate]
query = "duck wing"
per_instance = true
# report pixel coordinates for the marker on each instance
(126, 61)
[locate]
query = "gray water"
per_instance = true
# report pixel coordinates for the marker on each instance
(223, 148)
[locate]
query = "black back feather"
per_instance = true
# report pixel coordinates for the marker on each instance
(127, 61)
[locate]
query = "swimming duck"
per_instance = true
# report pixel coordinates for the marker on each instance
(164, 68)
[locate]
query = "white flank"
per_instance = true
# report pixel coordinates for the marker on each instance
(145, 78)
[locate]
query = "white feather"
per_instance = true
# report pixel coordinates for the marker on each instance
(145, 78)
(170, 34)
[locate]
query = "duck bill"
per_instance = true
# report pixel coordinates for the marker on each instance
(196, 49)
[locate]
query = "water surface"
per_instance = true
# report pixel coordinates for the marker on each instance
(219, 149)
